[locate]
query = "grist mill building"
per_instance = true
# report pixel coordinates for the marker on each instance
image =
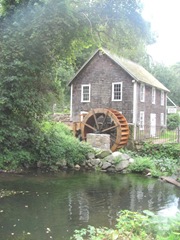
(109, 81)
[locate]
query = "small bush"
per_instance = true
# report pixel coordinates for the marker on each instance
(141, 164)
(173, 121)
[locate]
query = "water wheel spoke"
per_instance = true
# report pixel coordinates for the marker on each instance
(89, 126)
(112, 135)
(96, 122)
(104, 121)
(112, 140)
(110, 128)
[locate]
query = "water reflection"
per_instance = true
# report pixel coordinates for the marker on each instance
(67, 201)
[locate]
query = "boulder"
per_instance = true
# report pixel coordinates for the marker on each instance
(122, 165)
(95, 162)
(109, 159)
(116, 154)
(105, 165)
(88, 163)
(77, 167)
(100, 153)
(91, 155)
(124, 156)
(61, 163)
(40, 164)
(111, 169)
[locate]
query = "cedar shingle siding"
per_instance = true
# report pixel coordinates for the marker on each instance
(101, 72)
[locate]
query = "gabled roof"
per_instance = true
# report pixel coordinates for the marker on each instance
(136, 71)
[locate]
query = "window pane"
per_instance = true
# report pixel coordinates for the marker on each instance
(117, 91)
(153, 95)
(85, 93)
(162, 98)
(142, 92)
(141, 121)
(162, 119)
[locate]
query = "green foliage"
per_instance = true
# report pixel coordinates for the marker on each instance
(12, 160)
(58, 144)
(160, 150)
(53, 143)
(173, 121)
(131, 153)
(166, 165)
(134, 226)
(169, 76)
(157, 159)
(141, 164)
(62, 74)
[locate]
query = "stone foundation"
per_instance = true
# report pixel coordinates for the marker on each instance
(101, 141)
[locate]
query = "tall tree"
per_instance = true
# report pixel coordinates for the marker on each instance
(176, 69)
(170, 78)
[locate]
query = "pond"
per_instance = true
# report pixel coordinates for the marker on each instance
(40, 206)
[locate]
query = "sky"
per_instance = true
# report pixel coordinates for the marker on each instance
(164, 16)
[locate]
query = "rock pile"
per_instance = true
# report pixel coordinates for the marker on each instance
(105, 160)
(101, 160)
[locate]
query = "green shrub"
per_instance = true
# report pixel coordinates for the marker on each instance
(58, 144)
(141, 164)
(166, 165)
(160, 150)
(173, 121)
(52, 143)
(11, 160)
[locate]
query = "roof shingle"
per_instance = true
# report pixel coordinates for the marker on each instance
(136, 71)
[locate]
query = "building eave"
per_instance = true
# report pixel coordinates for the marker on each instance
(123, 63)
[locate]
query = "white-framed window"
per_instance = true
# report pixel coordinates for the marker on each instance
(142, 92)
(141, 120)
(85, 92)
(162, 98)
(162, 119)
(117, 91)
(153, 95)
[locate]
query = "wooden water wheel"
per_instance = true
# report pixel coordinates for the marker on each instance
(106, 121)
